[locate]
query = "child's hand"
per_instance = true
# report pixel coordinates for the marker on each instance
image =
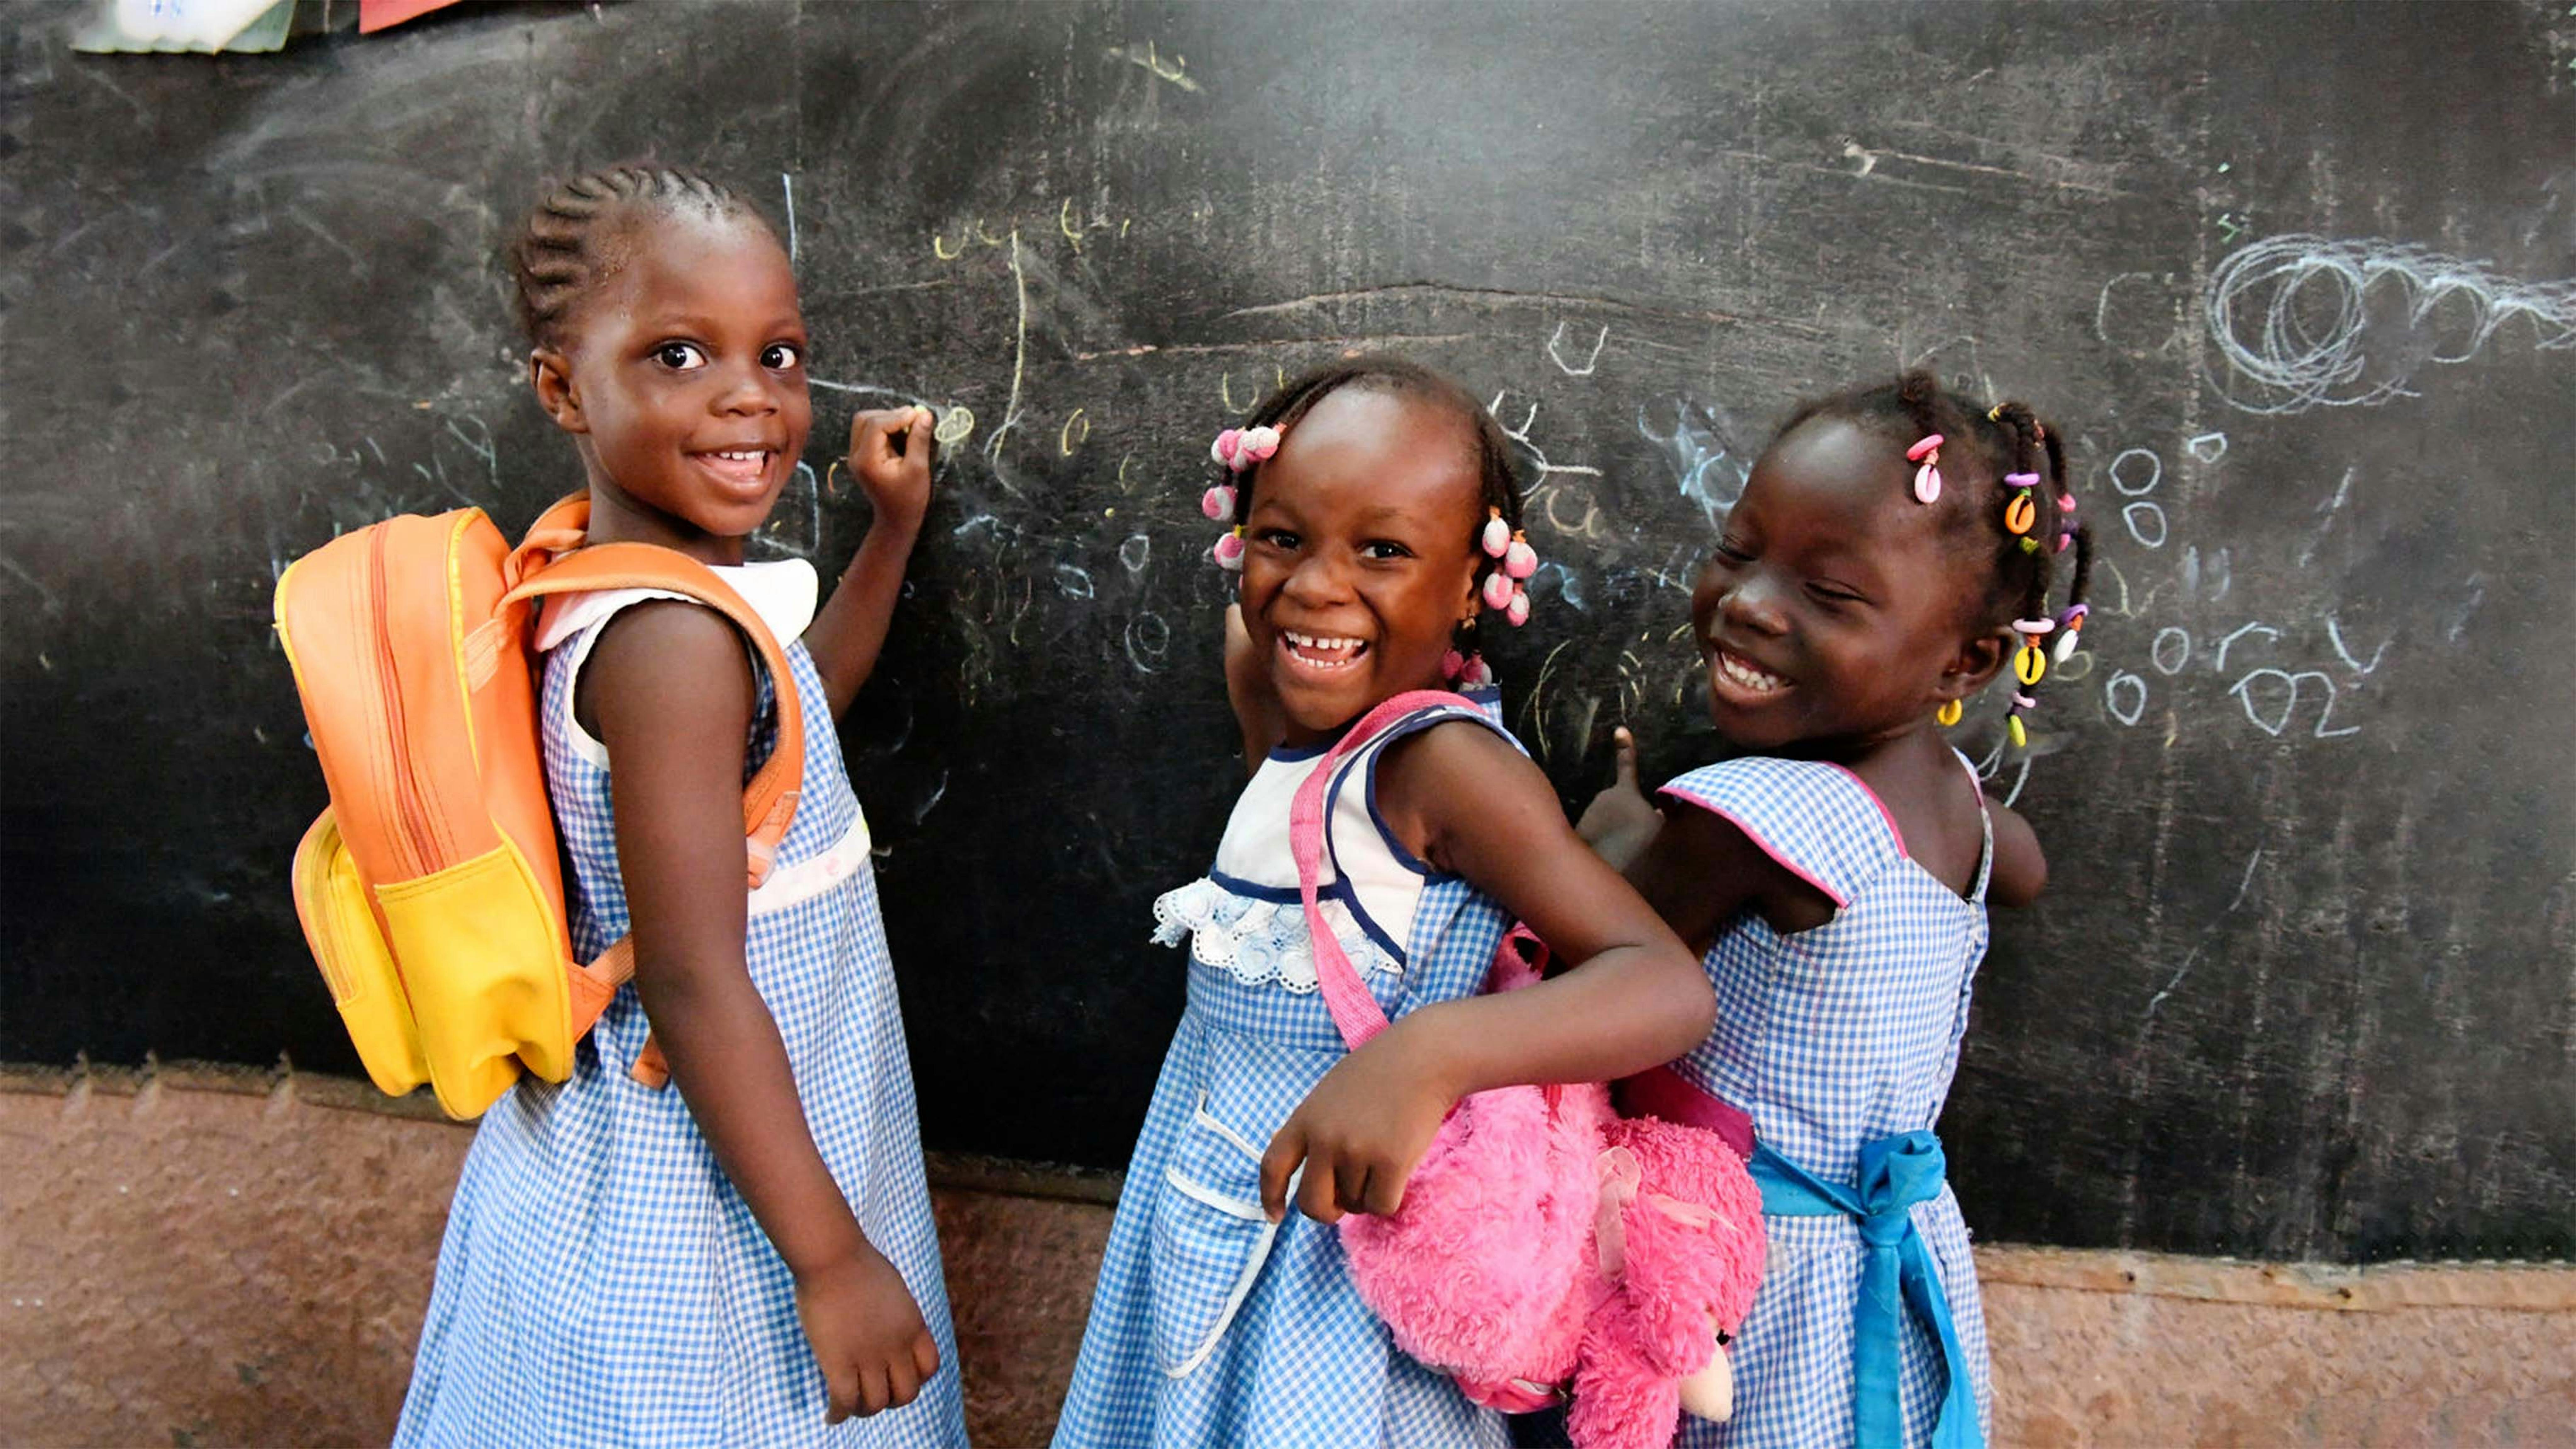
(1359, 1134)
(1620, 821)
(866, 1333)
(890, 451)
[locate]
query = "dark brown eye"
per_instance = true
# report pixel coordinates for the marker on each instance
(680, 356)
(780, 356)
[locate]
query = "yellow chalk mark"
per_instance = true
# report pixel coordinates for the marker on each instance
(939, 248)
(1064, 223)
(1068, 440)
(1123, 224)
(984, 235)
(1225, 392)
(953, 426)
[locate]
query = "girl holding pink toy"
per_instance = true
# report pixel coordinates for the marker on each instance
(1372, 510)
(1893, 551)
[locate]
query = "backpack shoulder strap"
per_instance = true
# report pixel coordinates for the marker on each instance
(1356, 1014)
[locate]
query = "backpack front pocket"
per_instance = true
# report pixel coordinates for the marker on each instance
(1209, 1240)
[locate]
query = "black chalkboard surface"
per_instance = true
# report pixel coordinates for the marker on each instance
(2294, 278)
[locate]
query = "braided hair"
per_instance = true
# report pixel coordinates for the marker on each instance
(1497, 472)
(1979, 447)
(581, 233)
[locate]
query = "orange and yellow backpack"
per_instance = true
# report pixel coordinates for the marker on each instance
(430, 889)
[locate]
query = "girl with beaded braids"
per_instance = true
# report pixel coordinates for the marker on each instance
(1372, 505)
(747, 1256)
(1893, 552)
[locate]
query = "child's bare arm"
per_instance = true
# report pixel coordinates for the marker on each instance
(1636, 998)
(672, 697)
(1247, 688)
(851, 626)
(2021, 868)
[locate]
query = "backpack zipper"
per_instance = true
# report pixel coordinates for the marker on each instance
(408, 809)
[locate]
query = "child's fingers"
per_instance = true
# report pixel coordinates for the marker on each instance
(925, 1355)
(872, 1389)
(1383, 1194)
(1624, 753)
(1279, 1169)
(903, 1381)
(918, 444)
(840, 1390)
(1318, 1193)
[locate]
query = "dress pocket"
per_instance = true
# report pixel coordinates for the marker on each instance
(1210, 1238)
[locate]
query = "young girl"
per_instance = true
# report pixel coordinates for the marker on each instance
(1892, 552)
(1220, 1318)
(746, 1258)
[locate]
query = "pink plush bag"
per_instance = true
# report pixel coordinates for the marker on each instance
(1485, 1272)
(1544, 1242)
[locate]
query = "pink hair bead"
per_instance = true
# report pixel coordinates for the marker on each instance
(1520, 560)
(1218, 502)
(1498, 538)
(1498, 590)
(1259, 444)
(1518, 610)
(2021, 480)
(1923, 448)
(1229, 552)
(1226, 445)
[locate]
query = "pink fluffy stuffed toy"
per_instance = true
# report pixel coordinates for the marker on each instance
(1680, 1248)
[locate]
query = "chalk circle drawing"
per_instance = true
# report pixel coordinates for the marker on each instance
(2145, 509)
(2076, 669)
(1591, 363)
(2124, 467)
(1148, 640)
(2137, 313)
(1073, 581)
(2273, 721)
(955, 425)
(2179, 652)
(1706, 468)
(2125, 697)
(1135, 552)
(2296, 321)
(2208, 447)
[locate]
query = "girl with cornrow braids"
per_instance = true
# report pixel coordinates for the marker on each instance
(1893, 552)
(747, 1257)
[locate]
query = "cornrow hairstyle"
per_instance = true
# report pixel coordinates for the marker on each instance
(1497, 470)
(580, 233)
(1979, 447)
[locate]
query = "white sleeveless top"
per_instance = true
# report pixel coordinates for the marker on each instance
(1244, 916)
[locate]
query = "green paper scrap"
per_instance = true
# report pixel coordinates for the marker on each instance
(201, 27)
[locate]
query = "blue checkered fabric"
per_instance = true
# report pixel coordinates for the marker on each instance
(1832, 1038)
(601, 1282)
(1209, 1327)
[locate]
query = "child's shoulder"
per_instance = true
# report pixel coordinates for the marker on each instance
(1818, 820)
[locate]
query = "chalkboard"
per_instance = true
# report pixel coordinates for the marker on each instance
(2293, 277)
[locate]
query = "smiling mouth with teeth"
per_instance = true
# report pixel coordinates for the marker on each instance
(1322, 651)
(1741, 672)
(744, 466)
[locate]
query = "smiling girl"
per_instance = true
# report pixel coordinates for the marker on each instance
(747, 1259)
(1221, 1316)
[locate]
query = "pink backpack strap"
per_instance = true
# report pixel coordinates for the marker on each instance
(1355, 1012)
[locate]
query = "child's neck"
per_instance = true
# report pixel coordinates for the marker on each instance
(617, 517)
(1906, 744)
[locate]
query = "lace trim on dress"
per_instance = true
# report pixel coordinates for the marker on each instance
(1255, 940)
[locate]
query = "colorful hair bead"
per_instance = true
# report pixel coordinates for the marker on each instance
(1949, 713)
(2035, 628)
(1927, 478)
(1518, 609)
(2020, 515)
(1218, 502)
(1228, 551)
(2030, 663)
(1520, 560)
(1240, 448)
(1497, 539)
(1499, 590)
(2072, 623)
(2013, 728)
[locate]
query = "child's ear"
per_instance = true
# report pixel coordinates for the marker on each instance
(550, 373)
(1979, 659)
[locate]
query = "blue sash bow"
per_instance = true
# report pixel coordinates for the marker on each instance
(1895, 1173)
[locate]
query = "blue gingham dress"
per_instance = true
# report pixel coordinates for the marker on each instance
(1831, 1038)
(1209, 1327)
(601, 1281)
